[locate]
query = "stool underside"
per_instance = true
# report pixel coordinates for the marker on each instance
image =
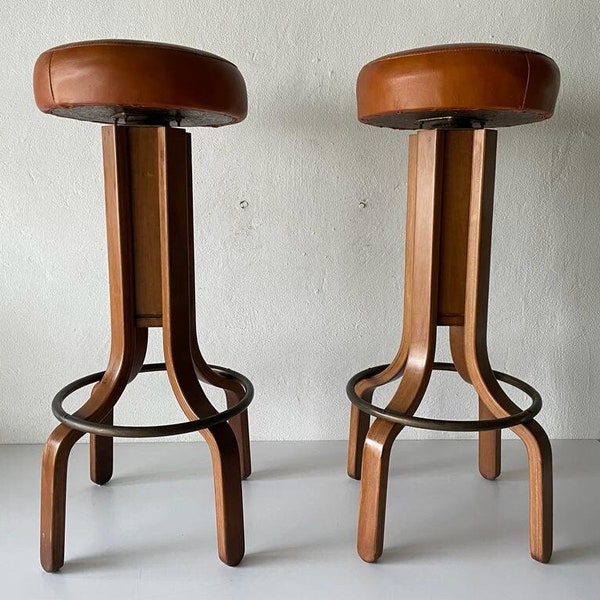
(151, 116)
(418, 119)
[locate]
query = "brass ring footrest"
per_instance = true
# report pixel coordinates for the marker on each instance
(154, 430)
(447, 425)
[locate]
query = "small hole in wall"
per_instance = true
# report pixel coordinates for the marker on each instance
(243, 204)
(362, 204)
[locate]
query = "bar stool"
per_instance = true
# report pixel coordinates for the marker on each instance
(142, 89)
(452, 95)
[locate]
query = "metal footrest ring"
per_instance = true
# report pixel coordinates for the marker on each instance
(447, 425)
(152, 430)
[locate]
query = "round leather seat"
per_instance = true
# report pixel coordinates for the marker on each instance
(147, 82)
(491, 85)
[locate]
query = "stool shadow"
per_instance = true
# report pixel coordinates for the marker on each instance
(583, 553)
(154, 477)
(125, 559)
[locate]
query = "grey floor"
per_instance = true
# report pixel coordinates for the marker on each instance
(149, 534)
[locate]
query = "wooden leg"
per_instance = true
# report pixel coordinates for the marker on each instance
(489, 446)
(539, 452)
(54, 491)
(489, 441)
(101, 447)
(224, 451)
(239, 425)
(373, 489)
(228, 492)
(58, 447)
(233, 394)
(359, 427)
(376, 457)
(233, 391)
(220, 439)
(359, 421)
(101, 455)
(178, 318)
(428, 153)
(128, 345)
(475, 348)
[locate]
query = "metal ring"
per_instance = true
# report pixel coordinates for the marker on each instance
(153, 430)
(447, 425)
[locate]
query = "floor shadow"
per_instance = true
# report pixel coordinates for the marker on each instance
(584, 553)
(135, 557)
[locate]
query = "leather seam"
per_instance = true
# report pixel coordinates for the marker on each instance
(50, 77)
(417, 53)
(135, 43)
(527, 82)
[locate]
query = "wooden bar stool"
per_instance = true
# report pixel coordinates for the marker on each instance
(142, 89)
(453, 95)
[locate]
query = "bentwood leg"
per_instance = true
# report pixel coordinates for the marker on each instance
(489, 446)
(101, 447)
(474, 336)
(233, 390)
(360, 421)
(422, 326)
(102, 455)
(176, 267)
(56, 456)
(489, 441)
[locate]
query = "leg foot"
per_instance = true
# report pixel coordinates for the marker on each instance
(101, 455)
(539, 453)
(239, 424)
(373, 488)
(489, 447)
(54, 490)
(359, 427)
(228, 493)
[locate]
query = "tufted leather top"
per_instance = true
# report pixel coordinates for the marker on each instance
(497, 86)
(96, 80)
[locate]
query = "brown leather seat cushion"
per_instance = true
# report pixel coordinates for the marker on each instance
(93, 81)
(499, 85)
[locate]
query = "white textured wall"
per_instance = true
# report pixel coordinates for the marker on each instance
(303, 287)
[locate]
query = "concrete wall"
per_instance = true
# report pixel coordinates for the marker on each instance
(300, 213)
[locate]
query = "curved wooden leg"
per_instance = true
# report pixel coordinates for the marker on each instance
(233, 391)
(58, 447)
(376, 458)
(54, 491)
(490, 448)
(228, 492)
(239, 425)
(473, 339)
(101, 447)
(233, 394)
(224, 452)
(178, 335)
(539, 452)
(373, 488)
(424, 219)
(359, 427)
(359, 421)
(101, 455)
(489, 441)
